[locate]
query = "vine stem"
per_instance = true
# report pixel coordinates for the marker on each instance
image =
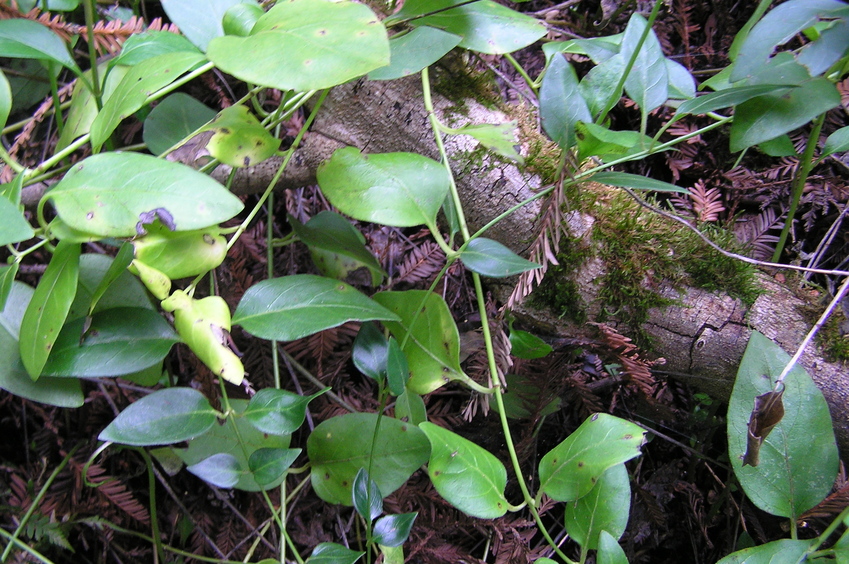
(159, 551)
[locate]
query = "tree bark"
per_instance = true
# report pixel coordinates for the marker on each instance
(702, 337)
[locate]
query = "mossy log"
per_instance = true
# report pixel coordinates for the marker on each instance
(701, 333)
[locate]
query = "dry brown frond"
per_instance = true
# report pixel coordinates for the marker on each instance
(707, 203)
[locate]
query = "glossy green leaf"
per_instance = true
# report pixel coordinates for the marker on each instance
(239, 140)
(410, 407)
(783, 69)
(142, 46)
(117, 342)
(240, 443)
(278, 412)
(783, 551)
(397, 368)
(136, 87)
(180, 254)
(11, 191)
(837, 142)
(599, 141)
(609, 551)
(332, 553)
(338, 249)
(598, 87)
(561, 105)
(61, 392)
(371, 352)
(397, 189)
(305, 45)
(268, 465)
(832, 44)
(411, 52)
(83, 110)
(776, 28)
(27, 39)
(366, 496)
(13, 225)
(798, 459)
(648, 82)
(726, 98)
(164, 417)
(527, 345)
(465, 475)
(174, 119)
(339, 447)
(124, 291)
(430, 338)
(599, 49)
(116, 270)
(199, 20)
(485, 26)
(393, 530)
(111, 194)
(291, 307)
(637, 181)
(5, 100)
(221, 470)
(7, 277)
(240, 18)
(49, 307)
(491, 258)
(841, 549)
(682, 85)
(766, 117)
(605, 508)
(570, 469)
(781, 146)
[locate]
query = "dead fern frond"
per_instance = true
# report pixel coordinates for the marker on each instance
(707, 203)
(118, 494)
(754, 232)
(637, 370)
(421, 264)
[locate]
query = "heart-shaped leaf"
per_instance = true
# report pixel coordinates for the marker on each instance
(527, 345)
(278, 412)
(288, 308)
(397, 189)
(339, 447)
(491, 258)
(164, 417)
(393, 530)
(465, 475)
(110, 194)
(371, 352)
(605, 508)
(305, 45)
(570, 469)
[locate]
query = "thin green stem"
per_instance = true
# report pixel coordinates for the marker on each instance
(805, 166)
(54, 94)
(24, 546)
(522, 72)
(159, 551)
(10, 162)
(88, 8)
(37, 501)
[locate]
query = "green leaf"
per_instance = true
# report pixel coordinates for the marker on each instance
(142, 46)
(465, 475)
(397, 368)
(161, 418)
(240, 19)
(5, 100)
(410, 407)
(240, 441)
(221, 470)
(599, 141)
(609, 551)
(12, 190)
(180, 254)
(199, 20)
(305, 45)
(499, 138)
(371, 352)
(605, 508)
(527, 345)
(13, 225)
(837, 142)
(332, 553)
(397, 189)
(570, 469)
(61, 392)
(83, 110)
(124, 291)
(268, 465)
(291, 307)
(117, 342)
(411, 52)
(393, 530)
(7, 277)
(25, 39)
(726, 98)
(628, 180)
(429, 338)
(491, 258)
(485, 26)
(117, 268)
(798, 459)
(648, 82)
(766, 117)
(339, 447)
(832, 44)
(49, 307)
(776, 28)
(783, 551)
(174, 119)
(278, 412)
(841, 549)
(111, 193)
(598, 87)
(337, 248)
(239, 140)
(366, 496)
(781, 146)
(682, 85)
(135, 89)
(561, 105)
